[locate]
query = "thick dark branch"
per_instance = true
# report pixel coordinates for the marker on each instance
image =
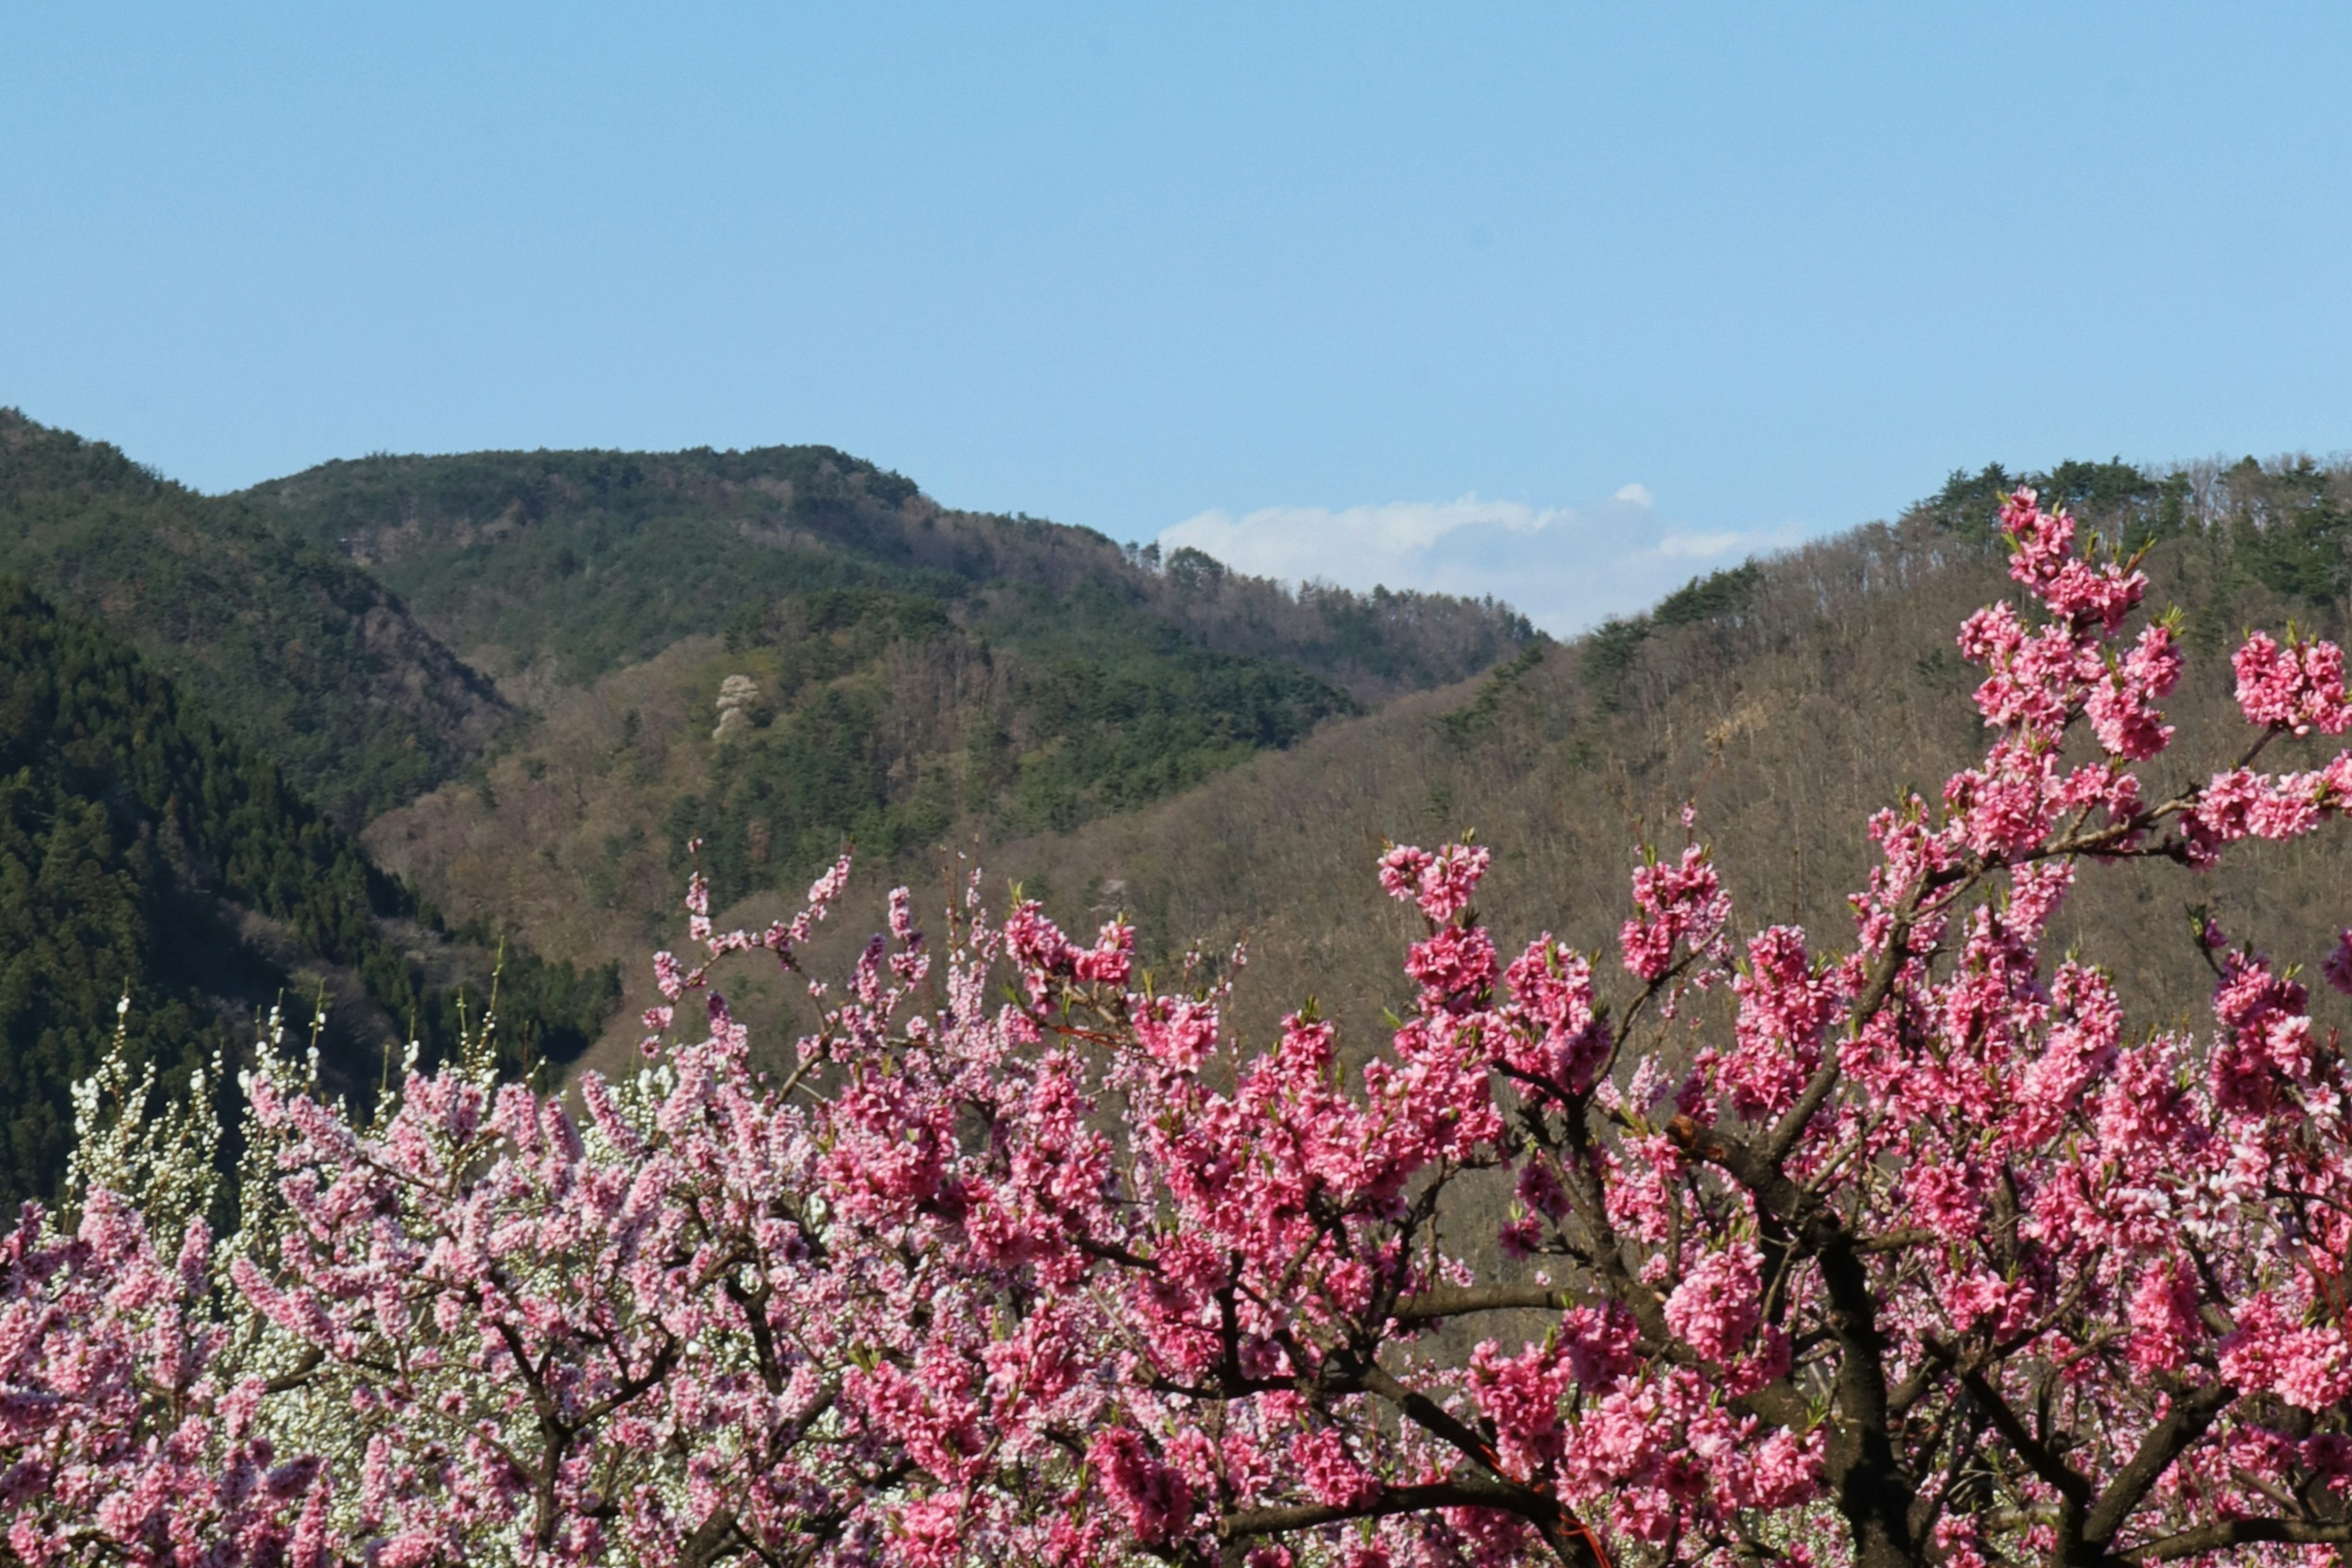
(1432, 1417)
(1111, 1252)
(1893, 1241)
(710, 1541)
(753, 1305)
(1781, 1198)
(2223, 1534)
(2071, 1483)
(1868, 1480)
(1936, 1359)
(1565, 1533)
(1466, 1492)
(1873, 1491)
(1792, 1126)
(2192, 1415)
(287, 1381)
(656, 1370)
(1432, 1306)
(786, 1435)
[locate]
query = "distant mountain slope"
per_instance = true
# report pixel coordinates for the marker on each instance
(593, 560)
(292, 647)
(144, 851)
(1789, 698)
(864, 717)
(906, 673)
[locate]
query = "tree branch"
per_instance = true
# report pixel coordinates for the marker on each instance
(713, 1537)
(2186, 1423)
(2227, 1532)
(1463, 1492)
(1568, 1537)
(1872, 1490)
(1433, 1306)
(2071, 1483)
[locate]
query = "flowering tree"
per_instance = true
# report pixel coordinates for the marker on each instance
(1893, 1249)
(1920, 1258)
(120, 1435)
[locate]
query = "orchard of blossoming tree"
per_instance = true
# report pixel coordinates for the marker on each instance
(1884, 1246)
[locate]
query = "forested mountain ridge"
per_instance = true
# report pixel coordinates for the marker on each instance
(147, 853)
(907, 672)
(597, 559)
(291, 647)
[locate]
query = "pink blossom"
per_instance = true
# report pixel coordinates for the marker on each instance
(1152, 1500)
(1943, 1201)
(1784, 1006)
(1681, 904)
(1717, 1304)
(2310, 1368)
(1328, 1471)
(2163, 1318)
(2299, 687)
(2122, 706)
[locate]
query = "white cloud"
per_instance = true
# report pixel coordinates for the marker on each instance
(1567, 567)
(1699, 546)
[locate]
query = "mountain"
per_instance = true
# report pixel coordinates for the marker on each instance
(292, 648)
(574, 563)
(1788, 698)
(901, 674)
(146, 853)
(532, 678)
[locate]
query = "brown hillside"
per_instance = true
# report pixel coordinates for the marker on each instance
(1836, 687)
(1831, 688)
(560, 839)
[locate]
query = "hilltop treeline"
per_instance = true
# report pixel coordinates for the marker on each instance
(593, 560)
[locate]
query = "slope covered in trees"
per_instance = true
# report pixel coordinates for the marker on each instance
(868, 716)
(909, 673)
(291, 647)
(593, 559)
(146, 852)
(917, 670)
(1786, 698)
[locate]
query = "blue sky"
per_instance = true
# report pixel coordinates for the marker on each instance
(1558, 301)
